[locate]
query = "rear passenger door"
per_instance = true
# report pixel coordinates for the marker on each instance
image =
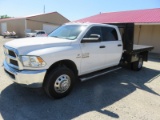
(111, 47)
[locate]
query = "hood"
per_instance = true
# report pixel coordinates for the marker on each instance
(26, 45)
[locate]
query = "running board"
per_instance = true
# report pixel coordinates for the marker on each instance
(99, 73)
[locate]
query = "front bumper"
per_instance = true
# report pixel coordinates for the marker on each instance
(30, 78)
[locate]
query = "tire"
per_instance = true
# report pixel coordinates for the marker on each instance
(136, 66)
(59, 82)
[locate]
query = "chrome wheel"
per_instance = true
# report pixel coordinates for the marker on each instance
(140, 63)
(62, 83)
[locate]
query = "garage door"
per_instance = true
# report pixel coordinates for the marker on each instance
(49, 28)
(3, 27)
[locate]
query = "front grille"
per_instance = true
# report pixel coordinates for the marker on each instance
(11, 57)
(11, 53)
(14, 62)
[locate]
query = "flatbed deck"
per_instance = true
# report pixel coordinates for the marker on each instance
(141, 48)
(137, 47)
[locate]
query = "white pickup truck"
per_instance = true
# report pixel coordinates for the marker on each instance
(73, 51)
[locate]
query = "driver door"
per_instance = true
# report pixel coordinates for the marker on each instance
(91, 52)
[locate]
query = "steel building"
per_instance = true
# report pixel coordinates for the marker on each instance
(47, 22)
(146, 24)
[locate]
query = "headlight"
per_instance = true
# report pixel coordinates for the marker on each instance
(32, 61)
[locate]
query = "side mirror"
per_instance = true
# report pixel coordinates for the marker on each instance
(92, 38)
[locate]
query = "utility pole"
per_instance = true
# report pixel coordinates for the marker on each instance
(44, 9)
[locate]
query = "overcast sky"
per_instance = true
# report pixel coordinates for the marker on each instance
(72, 9)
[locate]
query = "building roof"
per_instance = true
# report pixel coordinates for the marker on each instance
(6, 19)
(134, 16)
(31, 16)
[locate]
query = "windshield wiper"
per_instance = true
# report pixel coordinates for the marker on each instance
(61, 37)
(55, 36)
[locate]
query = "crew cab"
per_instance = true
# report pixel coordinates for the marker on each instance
(73, 51)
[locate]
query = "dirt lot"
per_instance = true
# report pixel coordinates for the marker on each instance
(120, 95)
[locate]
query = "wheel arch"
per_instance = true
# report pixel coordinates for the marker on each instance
(68, 63)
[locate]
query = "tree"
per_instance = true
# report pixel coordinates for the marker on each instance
(4, 16)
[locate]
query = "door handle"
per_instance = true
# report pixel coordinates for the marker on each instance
(119, 45)
(102, 46)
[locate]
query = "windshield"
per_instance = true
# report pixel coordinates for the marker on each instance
(70, 32)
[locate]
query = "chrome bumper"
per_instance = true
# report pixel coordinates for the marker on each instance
(28, 78)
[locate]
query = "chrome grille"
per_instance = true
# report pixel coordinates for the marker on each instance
(14, 62)
(11, 57)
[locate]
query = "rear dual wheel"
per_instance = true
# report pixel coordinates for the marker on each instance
(138, 64)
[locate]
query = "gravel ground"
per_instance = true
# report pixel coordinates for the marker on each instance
(120, 95)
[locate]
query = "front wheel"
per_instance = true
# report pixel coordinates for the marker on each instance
(137, 65)
(59, 82)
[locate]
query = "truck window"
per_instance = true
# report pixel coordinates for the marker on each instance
(70, 32)
(109, 34)
(38, 33)
(93, 30)
(42, 32)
